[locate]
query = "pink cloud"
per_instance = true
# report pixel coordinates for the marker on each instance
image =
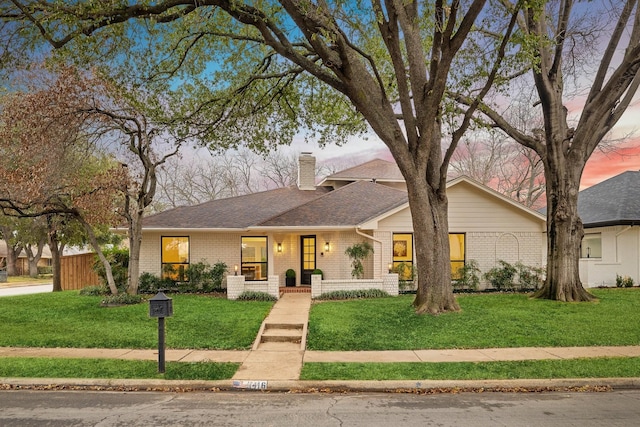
(602, 166)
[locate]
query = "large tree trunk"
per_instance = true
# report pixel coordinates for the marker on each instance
(565, 232)
(55, 255)
(430, 225)
(135, 242)
(105, 262)
(34, 258)
(12, 258)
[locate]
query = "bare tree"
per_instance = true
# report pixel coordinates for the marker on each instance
(564, 144)
(500, 163)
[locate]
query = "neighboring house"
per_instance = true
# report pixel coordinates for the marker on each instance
(310, 226)
(610, 212)
(22, 263)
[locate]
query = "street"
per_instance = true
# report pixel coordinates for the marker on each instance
(82, 408)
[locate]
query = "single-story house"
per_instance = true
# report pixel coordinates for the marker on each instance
(610, 212)
(309, 226)
(22, 263)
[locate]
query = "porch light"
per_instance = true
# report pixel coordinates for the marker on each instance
(390, 267)
(235, 269)
(279, 247)
(326, 247)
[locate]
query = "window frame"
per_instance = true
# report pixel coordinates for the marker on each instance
(407, 259)
(180, 275)
(251, 266)
(587, 254)
(463, 260)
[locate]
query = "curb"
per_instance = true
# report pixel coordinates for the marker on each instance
(333, 386)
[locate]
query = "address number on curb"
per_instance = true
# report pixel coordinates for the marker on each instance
(251, 385)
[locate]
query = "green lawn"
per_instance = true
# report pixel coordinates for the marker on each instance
(610, 367)
(66, 319)
(109, 368)
(485, 321)
(44, 280)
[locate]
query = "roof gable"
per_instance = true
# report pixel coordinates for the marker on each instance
(496, 196)
(615, 201)
(348, 206)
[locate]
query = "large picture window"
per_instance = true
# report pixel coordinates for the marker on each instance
(254, 258)
(403, 255)
(591, 246)
(175, 257)
(457, 255)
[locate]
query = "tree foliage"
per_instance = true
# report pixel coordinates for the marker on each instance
(256, 73)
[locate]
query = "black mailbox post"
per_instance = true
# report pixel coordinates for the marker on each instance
(161, 306)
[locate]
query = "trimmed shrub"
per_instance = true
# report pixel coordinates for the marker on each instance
(256, 296)
(318, 271)
(624, 282)
(530, 278)
(201, 277)
(354, 294)
(468, 277)
(93, 291)
(121, 299)
(502, 278)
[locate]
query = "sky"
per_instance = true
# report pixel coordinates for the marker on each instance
(600, 167)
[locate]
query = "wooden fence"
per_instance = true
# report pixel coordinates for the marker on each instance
(76, 271)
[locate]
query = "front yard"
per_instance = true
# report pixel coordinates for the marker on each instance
(202, 322)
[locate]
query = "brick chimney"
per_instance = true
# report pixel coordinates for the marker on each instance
(306, 172)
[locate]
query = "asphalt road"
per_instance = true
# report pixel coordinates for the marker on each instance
(81, 408)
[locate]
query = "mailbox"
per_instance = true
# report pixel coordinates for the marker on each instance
(160, 306)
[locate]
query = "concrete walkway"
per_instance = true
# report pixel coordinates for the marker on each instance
(278, 351)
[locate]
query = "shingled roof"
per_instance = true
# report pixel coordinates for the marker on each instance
(234, 212)
(347, 206)
(378, 169)
(615, 201)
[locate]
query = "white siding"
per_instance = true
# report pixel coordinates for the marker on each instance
(620, 256)
(471, 209)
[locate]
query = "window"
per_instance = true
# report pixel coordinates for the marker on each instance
(403, 255)
(175, 257)
(254, 258)
(591, 246)
(457, 254)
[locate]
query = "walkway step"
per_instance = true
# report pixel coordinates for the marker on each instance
(279, 346)
(288, 326)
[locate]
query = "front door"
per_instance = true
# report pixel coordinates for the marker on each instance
(308, 261)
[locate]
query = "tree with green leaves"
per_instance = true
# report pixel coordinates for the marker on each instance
(554, 36)
(257, 73)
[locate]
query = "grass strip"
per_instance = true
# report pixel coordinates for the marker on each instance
(66, 319)
(485, 321)
(605, 367)
(28, 367)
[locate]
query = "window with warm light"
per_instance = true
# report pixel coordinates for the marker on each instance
(253, 263)
(175, 257)
(403, 255)
(457, 253)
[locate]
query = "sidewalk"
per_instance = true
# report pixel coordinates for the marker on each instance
(277, 356)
